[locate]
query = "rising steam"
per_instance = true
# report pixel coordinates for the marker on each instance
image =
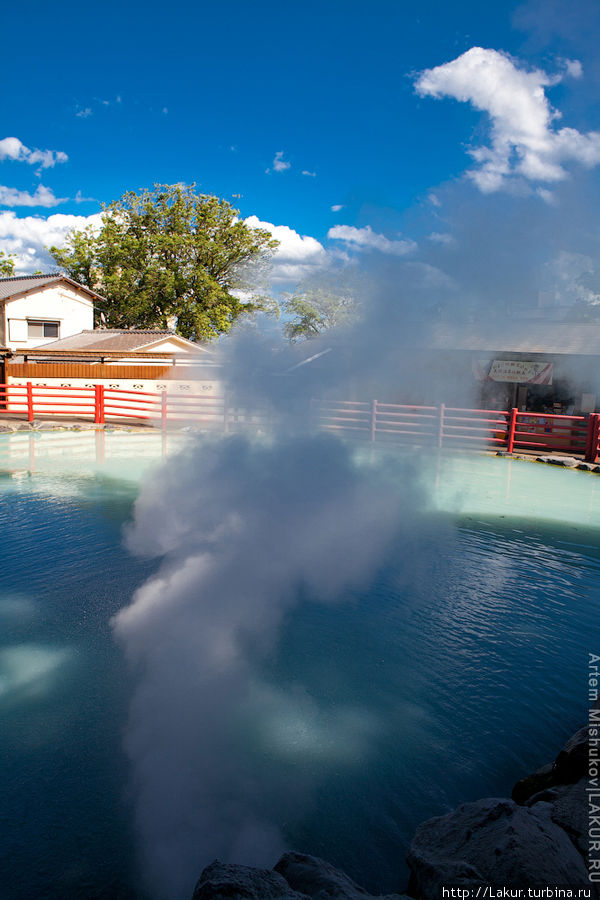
(243, 527)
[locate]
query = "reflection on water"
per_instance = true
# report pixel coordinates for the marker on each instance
(442, 682)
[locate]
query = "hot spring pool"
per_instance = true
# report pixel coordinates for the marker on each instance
(440, 682)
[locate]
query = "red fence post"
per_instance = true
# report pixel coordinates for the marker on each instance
(512, 427)
(29, 401)
(163, 409)
(593, 433)
(588, 438)
(373, 420)
(441, 425)
(595, 437)
(99, 404)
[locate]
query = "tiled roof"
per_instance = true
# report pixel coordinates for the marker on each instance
(115, 339)
(579, 338)
(16, 284)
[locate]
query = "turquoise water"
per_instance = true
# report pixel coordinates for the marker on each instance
(443, 681)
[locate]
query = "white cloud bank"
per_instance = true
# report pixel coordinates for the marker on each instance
(13, 149)
(297, 257)
(42, 196)
(524, 145)
(367, 239)
(28, 237)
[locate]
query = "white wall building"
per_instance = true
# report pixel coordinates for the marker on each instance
(38, 309)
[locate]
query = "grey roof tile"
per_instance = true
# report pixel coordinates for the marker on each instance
(115, 339)
(16, 284)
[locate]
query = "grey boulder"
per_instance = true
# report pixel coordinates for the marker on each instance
(223, 881)
(493, 842)
(569, 810)
(321, 881)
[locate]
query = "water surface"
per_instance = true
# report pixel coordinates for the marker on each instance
(460, 668)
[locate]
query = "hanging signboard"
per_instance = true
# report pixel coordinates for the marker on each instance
(516, 371)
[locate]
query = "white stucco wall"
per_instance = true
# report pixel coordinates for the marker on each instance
(191, 387)
(170, 345)
(61, 303)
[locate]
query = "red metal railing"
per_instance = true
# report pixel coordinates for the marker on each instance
(458, 427)
(373, 420)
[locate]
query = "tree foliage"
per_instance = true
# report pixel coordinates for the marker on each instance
(168, 257)
(7, 264)
(315, 310)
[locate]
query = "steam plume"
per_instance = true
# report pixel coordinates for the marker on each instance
(242, 527)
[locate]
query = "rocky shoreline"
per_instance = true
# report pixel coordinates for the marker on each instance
(537, 838)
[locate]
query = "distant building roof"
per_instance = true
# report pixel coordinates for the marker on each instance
(21, 284)
(556, 338)
(117, 339)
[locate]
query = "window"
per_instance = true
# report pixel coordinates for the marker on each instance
(42, 329)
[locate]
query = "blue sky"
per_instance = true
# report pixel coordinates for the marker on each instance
(321, 116)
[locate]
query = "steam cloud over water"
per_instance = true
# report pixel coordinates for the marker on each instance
(243, 528)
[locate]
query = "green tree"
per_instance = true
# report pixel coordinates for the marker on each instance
(7, 264)
(317, 309)
(168, 257)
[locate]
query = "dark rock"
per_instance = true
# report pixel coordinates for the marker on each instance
(570, 811)
(493, 842)
(569, 766)
(541, 780)
(320, 880)
(586, 467)
(568, 461)
(4, 428)
(221, 881)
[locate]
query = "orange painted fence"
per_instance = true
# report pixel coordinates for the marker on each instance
(372, 420)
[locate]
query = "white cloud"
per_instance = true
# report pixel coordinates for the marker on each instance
(279, 163)
(311, 174)
(367, 239)
(571, 278)
(336, 207)
(547, 196)
(85, 113)
(297, 256)
(573, 68)
(524, 145)
(28, 237)
(447, 240)
(79, 198)
(14, 149)
(42, 196)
